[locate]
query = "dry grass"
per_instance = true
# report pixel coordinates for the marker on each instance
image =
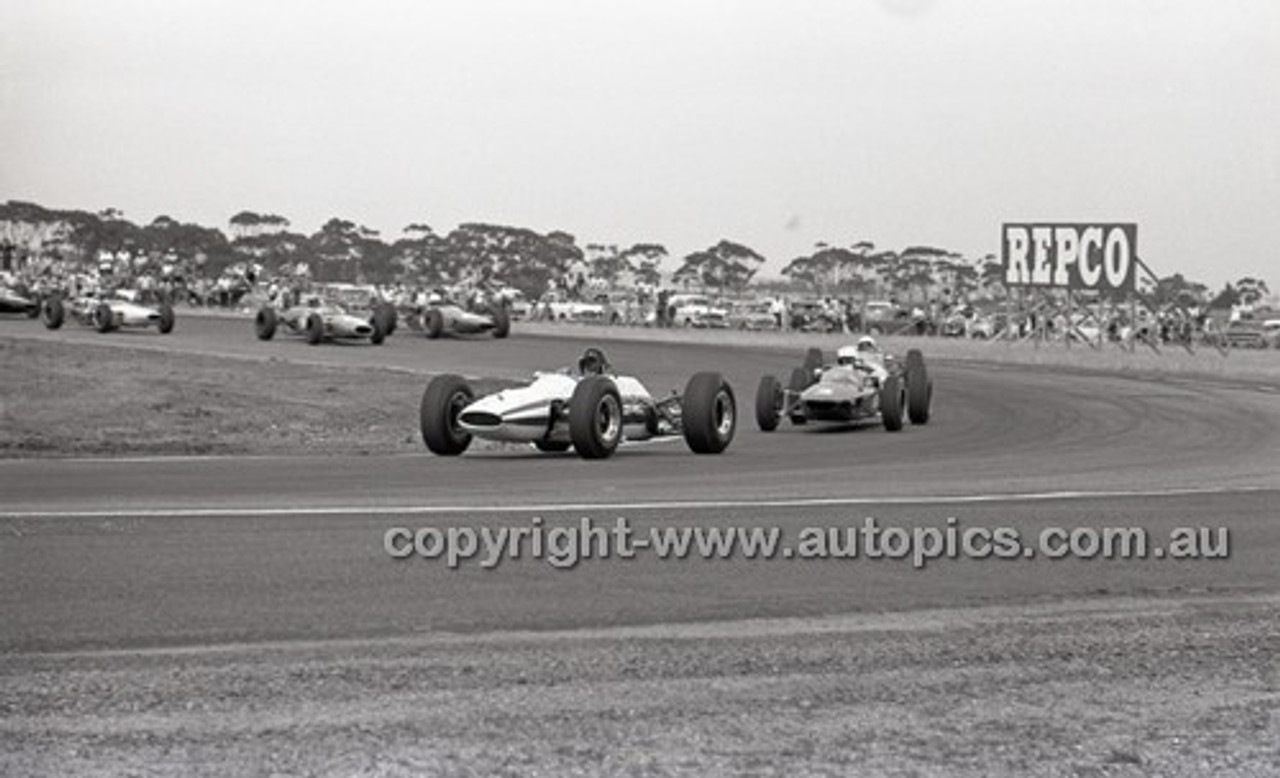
(71, 399)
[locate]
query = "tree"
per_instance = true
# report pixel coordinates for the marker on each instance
(724, 265)
(1252, 290)
(1226, 299)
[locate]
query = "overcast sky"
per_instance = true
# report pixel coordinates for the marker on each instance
(774, 124)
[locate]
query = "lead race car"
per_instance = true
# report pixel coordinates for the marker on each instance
(864, 383)
(106, 312)
(319, 320)
(591, 409)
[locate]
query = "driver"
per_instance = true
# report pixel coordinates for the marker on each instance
(593, 362)
(866, 358)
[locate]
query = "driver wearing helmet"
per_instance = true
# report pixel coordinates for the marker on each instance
(593, 362)
(866, 358)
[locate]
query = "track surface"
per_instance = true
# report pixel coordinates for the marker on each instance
(244, 553)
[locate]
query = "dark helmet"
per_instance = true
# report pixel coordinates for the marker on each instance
(593, 362)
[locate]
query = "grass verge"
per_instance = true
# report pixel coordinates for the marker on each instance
(61, 399)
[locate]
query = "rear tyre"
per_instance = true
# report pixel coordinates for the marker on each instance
(167, 319)
(53, 312)
(893, 398)
(103, 318)
(433, 323)
(442, 403)
(390, 318)
(501, 322)
(919, 388)
(264, 324)
(710, 413)
(769, 400)
(595, 418)
(315, 329)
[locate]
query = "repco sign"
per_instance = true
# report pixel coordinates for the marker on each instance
(1070, 256)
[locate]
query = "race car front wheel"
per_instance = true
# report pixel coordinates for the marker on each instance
(595, 418)
(166, 319)
(893, 400)
(710, 413)
(442, 403)
(919, 388)
(264, 326)
(769, 401)
(315, 329)
(433, 323)
(53, 312)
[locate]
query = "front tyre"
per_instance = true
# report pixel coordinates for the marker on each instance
(769, 400)
(595, 418)
(315, 329)
(919, 388)
(501, 322)
(103, 318)
(442, 403)
(893, 399)
(379, 333)
(710, 413)
(264, 324)
(167, 319)
(53, 312)
(433, 323)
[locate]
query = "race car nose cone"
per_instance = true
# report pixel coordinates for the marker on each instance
(480, 419)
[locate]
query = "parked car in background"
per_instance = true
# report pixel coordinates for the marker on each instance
(696, 310)
(752, 315)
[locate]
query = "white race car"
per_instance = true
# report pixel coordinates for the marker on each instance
(319, 320)
(445, 317)
(864, 383)
(591, 409)
(106, 313)
(18, 299)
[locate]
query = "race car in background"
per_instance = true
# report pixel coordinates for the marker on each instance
(18, 300)
(106, 313)
(448, 318)
(864, 383)
(591, 409)
(318, 320)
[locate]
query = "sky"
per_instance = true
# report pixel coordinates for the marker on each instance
(682, 122)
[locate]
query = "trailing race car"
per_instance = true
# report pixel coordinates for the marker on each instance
(591, 409)
(106, 313)
(864, 383)
(319, 320)
(16, 299)
(446, 317)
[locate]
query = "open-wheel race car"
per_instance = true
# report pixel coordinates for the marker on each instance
(591, 409)
(106, 313)
(864, 383)
(449, 318)
(18, 300)
(319, 320)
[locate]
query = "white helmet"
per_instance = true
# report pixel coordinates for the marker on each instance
(867, 343)
(846, 355)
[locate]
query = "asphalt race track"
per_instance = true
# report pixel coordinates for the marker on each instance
(253, 555)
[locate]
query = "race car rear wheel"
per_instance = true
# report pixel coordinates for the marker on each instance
(433, 323)
(595, 417)
(501, 321)
(52, 312)
(919, 388)
(103, 318)
(893, 399)
(442, 403)
(264, 324)
(315, 329)
(709, 412)
(769, 401)
(166, 319)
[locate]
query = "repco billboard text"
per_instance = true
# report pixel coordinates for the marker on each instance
(1070, 256)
